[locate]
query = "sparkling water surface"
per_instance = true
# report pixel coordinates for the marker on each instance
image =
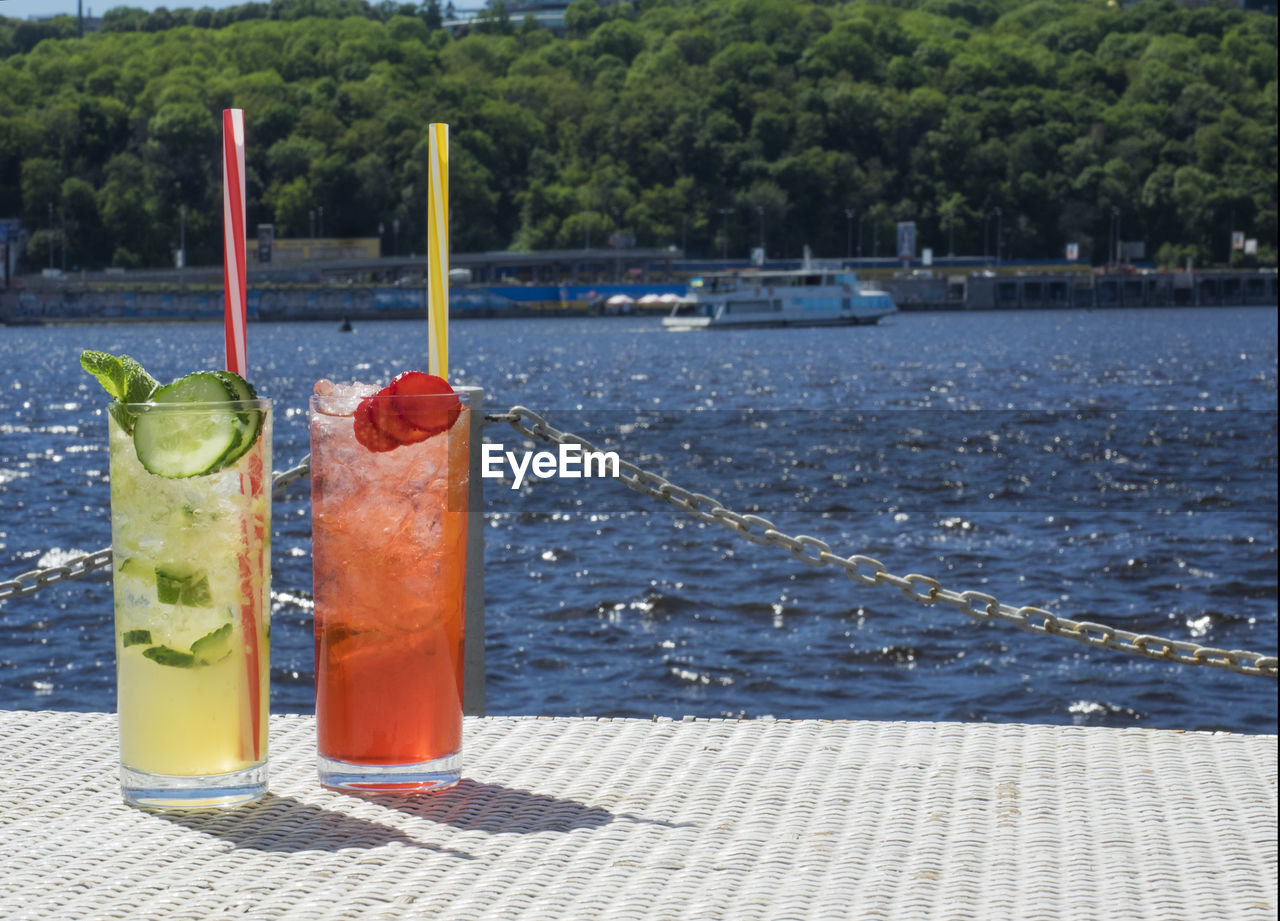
(1115, 466)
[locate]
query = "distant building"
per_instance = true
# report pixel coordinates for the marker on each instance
(290, 250)
(548, 13)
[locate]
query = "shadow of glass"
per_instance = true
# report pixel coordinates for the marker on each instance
(495, 809)
(281, 824)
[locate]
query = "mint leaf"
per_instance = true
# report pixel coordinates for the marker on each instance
(109, 371)
(139, 385)
(124, 378)
(123, 417)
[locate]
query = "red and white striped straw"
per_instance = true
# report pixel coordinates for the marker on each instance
(233, 238)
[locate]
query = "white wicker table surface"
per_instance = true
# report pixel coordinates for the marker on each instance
(636, 819)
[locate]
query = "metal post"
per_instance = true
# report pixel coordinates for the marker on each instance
(848, 250)
(473, 694)
(1115, 236)
(999, 225)
(724, 233)
(760, 212)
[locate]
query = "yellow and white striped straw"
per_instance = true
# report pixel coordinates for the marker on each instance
(438, 250)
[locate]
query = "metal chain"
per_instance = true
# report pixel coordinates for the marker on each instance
(808, 550)
(919, 588)
(28, 583)
(297, 472)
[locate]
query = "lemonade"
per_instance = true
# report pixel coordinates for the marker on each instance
(190, 525)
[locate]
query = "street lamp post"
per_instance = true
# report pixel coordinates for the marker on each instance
(395, 236)
(760, 212)
(999, 225)
(684, 235)
(875, 239)
(724, 233)
(382, 232)
(322, 220)
(848, 220)
(311, 219)
(182, 237)
(986, 223)
(1114, 255)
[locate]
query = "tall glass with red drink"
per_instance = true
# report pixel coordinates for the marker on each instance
(389, 481)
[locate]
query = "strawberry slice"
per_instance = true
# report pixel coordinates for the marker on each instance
(429, 416)
(387, 419)
(367, 431)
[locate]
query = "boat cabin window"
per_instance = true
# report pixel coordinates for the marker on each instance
(815, 280)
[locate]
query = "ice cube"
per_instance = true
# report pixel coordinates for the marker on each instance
(340, 399)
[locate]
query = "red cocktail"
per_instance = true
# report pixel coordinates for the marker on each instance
(389, 480)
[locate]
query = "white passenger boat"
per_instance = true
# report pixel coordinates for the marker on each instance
(805, 297)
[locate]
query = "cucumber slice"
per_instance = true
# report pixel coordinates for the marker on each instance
(135, 637)
(213, 647)
(185, 585)
(241, 387)
(177, 445)
(167, 655)
(210, 649)
(138, 568)
(250, 420)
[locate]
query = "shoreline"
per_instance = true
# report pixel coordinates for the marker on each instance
(560, 314)
(63, 302)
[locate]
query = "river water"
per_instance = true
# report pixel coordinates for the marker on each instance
(1115, 466)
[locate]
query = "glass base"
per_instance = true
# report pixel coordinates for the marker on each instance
(204, 791)
(423, 777)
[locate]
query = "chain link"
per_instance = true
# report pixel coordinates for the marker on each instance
(811, 551)
(916, 587)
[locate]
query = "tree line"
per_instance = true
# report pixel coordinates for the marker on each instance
(711, 125)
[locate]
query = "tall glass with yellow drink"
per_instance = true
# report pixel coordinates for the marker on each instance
(190, 525)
